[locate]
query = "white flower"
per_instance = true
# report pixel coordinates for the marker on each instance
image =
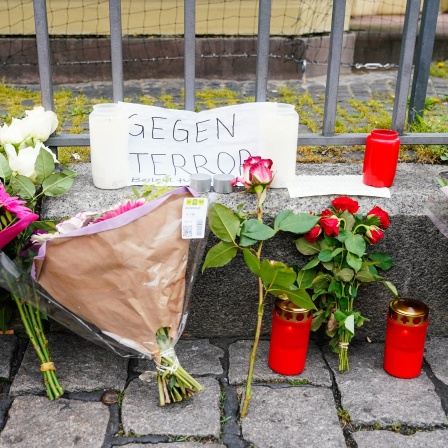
(76, 222)
(40, 238)
(23, 162)
(15, 133)
(40, 123)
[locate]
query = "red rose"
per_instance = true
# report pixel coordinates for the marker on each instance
(345, 203)
(374, 234)
(330, 224)
(382, 215)
(313, 234)
(326, 213)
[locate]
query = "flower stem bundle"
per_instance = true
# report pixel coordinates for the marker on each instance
(173, 381)
(32, 321)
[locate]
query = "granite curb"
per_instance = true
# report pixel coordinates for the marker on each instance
(318, 408)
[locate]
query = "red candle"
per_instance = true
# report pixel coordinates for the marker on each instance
(407, 320)
(381, 158)
(289, 338)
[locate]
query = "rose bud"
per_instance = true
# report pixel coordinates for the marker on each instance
(313, 234)
(382, 215)
(374, 234)
(345, 203)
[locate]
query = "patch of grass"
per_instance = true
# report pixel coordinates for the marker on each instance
(439, 69)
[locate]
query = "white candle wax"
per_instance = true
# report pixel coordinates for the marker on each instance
(109, 154)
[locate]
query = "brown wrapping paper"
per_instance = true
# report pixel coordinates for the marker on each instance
(129, 281)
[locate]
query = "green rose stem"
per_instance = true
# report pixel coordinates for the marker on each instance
(261, 194)
(34, 329)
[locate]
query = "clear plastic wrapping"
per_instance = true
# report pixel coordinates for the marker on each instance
(437, 210)
(117, 282)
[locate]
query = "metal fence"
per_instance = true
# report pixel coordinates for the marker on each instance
(410, 82)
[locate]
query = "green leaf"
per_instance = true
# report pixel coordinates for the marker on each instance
(320, 282)
(297, 296)
(223, 222)
(44, 165)
(340, 316)
(22, 187)
(343, 235)
(246, 242)
(280, 217)
(306, 248)
(349, 219)
(354, 261)
(356, 245)
(298, 223)
(256, 230)
(335, 288)
(306, 277)
(364, 275)
(57, 184)
(349, 323)
(345, 274)
(219, 255)
(326, 255)
(391, 287)
(5, 170)
(252, 262)
(46, 226)
(311, 264)
(318, 320)
(275, 272)
(383, 260)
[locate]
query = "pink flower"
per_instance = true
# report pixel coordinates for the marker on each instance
(256, 171)
(120, 209)
(382, 215)
(76, 222)
(21, 216)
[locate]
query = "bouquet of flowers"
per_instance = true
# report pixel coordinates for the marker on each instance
(28, 171)
(339, 264)
(118, 278)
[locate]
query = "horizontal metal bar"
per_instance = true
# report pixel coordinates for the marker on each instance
(304, 139)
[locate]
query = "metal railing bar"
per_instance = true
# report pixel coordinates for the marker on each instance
(264, 32)
(189, 53)
(425, 46)
(334, 66)
(116, 49)
(303, 140)
(43, 53)
(405, 65)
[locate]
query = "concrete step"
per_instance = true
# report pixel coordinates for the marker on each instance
(224, 300)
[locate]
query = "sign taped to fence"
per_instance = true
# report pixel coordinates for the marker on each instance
(167, 145)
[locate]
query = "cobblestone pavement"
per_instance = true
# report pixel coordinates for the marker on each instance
(319, 408)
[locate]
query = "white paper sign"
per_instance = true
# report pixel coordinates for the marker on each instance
(305, 186)
(168, 145)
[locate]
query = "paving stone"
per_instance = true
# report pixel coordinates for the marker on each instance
(372, 396)
(298, 416)
(37, 422)
(435, 353)
(81, 367)
(387, 439)
(180, 445)
(197, 357)
(8, 343)
(316, 371)
(199, 416)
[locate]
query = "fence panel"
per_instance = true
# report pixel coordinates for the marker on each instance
(328, 136)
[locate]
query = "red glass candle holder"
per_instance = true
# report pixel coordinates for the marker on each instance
(407, 321)
(289, 338)
(381, 158)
